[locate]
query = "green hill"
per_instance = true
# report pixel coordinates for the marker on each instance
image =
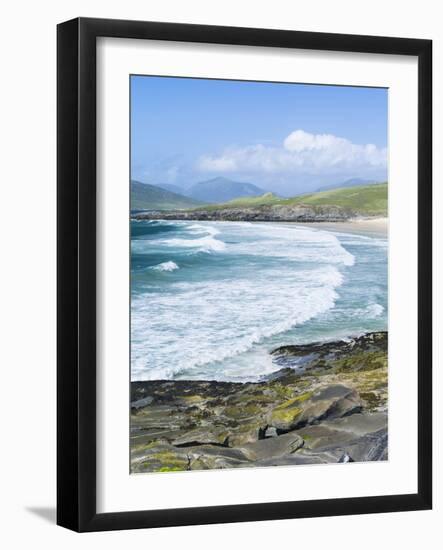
(247, 202)
(151, 197)
(367, 199)
(371, 200)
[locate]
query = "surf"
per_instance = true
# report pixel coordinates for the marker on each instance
(256, 286)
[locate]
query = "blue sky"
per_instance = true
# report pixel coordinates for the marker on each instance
(286, 138)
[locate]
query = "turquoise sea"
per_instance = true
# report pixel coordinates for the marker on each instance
(210, 300)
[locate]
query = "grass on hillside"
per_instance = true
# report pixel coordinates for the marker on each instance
(366, 199)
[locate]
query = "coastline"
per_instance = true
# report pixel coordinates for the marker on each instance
(323, 402)
(376, 226)
(332, 409)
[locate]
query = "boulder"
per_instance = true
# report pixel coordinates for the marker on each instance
(370, 447)
(342, 432)
(140, 403)
(331, 402)
(159, 458)
(202, 436)
(208, 457)
(273, 447)
(248, 433)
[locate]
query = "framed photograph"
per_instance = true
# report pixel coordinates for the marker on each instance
(244, 274)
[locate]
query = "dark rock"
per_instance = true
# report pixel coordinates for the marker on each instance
(277, 375)
(345, 458)
(262, 213)
(368, 342)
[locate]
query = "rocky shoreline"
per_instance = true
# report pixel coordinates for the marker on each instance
(326, 404)
(269, 213)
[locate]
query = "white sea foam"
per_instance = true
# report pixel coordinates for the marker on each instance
(207, 229)
(371, 311)
(196, 324)
(293, 243)
(204, 243)
(272, 279)
(374, 310)
(165, 266)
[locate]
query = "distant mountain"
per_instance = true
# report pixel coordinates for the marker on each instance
(222, 190)
(348, 183)
(151, 197)
(171, 187)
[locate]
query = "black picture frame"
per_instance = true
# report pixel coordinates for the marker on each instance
(76, 281)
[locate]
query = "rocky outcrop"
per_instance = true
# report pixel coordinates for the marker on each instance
(274, 213)
(311, 408)
(327, 403)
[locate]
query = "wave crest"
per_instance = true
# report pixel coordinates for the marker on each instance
(165, 266)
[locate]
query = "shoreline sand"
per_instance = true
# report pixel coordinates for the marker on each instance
(371, 226)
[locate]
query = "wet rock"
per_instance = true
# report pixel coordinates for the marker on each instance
(372, 341)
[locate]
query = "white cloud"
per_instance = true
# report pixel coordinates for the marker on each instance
(301, 152)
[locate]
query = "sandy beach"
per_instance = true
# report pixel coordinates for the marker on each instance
(370, 226)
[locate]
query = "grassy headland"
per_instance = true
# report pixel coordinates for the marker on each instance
(334, 205)
(370, 200)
